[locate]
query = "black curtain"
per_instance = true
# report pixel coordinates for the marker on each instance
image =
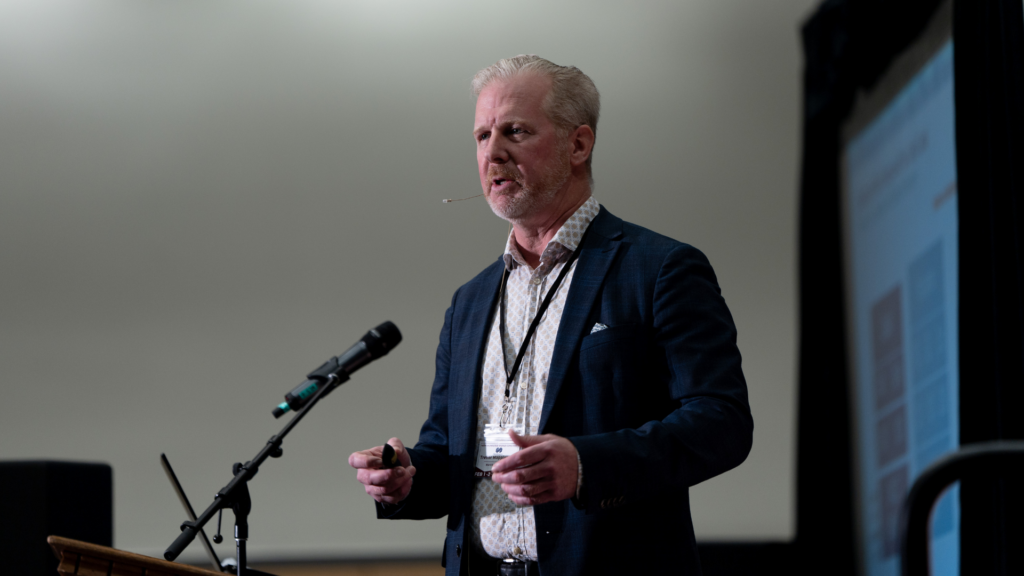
(848, 44)
(990, 138)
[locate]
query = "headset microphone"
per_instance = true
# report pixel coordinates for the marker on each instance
(448, 200)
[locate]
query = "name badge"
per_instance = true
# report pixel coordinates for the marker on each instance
(495, 446)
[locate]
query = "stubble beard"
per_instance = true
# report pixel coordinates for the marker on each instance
(528, 201)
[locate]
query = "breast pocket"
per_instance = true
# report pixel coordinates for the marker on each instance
(612, 335)
(613, 370)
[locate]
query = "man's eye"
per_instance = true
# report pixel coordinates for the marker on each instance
(482, 137)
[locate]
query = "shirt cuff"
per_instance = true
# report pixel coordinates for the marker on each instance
(579, 476)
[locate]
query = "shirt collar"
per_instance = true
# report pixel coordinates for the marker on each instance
(565, 241)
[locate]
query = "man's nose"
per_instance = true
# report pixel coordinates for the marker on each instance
(495, 151)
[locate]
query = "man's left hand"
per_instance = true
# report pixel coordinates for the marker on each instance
(544, 470)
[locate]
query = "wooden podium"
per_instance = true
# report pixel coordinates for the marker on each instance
(84, 559)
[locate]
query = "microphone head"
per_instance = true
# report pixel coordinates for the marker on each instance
(382, 339)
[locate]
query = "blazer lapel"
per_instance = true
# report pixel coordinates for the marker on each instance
(464, 389)
(599, 250)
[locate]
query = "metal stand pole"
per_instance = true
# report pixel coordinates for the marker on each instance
(236, 494)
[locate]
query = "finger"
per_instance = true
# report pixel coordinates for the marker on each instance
(390, 499)
(525, 457)
(398, 494)
(385, 489)
(363, 476)
(398, 489)
(384, 477)
(387, 475)
(533, 499)
(366, 458)
(519, 501)
(533, 490)
(403, 454)
(392, 492)
(376, 493)
(522, 475)
(373, 477)
(526, 441)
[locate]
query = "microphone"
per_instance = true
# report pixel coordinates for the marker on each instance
(450, 200)
(376, 343)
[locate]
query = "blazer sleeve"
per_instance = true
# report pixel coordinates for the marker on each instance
(430, 495)
(706, 427)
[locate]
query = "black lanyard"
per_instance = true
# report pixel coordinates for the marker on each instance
(510, 376)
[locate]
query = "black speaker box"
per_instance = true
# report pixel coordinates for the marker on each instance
(43, 498)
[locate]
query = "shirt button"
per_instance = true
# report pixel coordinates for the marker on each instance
(458, 551)
(534, 281)
(517, 550)
(522, 385)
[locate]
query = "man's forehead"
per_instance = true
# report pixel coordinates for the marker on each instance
(513, 98)
(523, 84)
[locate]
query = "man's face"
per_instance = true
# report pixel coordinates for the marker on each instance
(523, 163)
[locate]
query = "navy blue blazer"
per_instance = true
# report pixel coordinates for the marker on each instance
(654, 404)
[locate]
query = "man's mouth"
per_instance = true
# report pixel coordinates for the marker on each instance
(499, 184)
(502, 178)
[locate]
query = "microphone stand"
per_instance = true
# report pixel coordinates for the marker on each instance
(235, 494)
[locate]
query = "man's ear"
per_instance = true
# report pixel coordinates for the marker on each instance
(581, 144)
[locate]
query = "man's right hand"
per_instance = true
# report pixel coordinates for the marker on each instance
(389, 486)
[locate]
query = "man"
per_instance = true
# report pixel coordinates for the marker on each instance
(598, 353)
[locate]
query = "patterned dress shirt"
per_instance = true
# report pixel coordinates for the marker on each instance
(499, 527)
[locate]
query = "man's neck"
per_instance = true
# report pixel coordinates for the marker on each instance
(532, 236)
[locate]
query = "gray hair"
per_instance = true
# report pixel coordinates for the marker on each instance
(572, 102)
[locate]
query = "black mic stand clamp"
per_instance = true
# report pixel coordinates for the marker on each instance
(236, 497)
(235, 494)
(241, 505)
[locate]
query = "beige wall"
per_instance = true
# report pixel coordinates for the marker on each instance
(201, 201)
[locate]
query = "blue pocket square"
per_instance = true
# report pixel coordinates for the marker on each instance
(598, 327)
